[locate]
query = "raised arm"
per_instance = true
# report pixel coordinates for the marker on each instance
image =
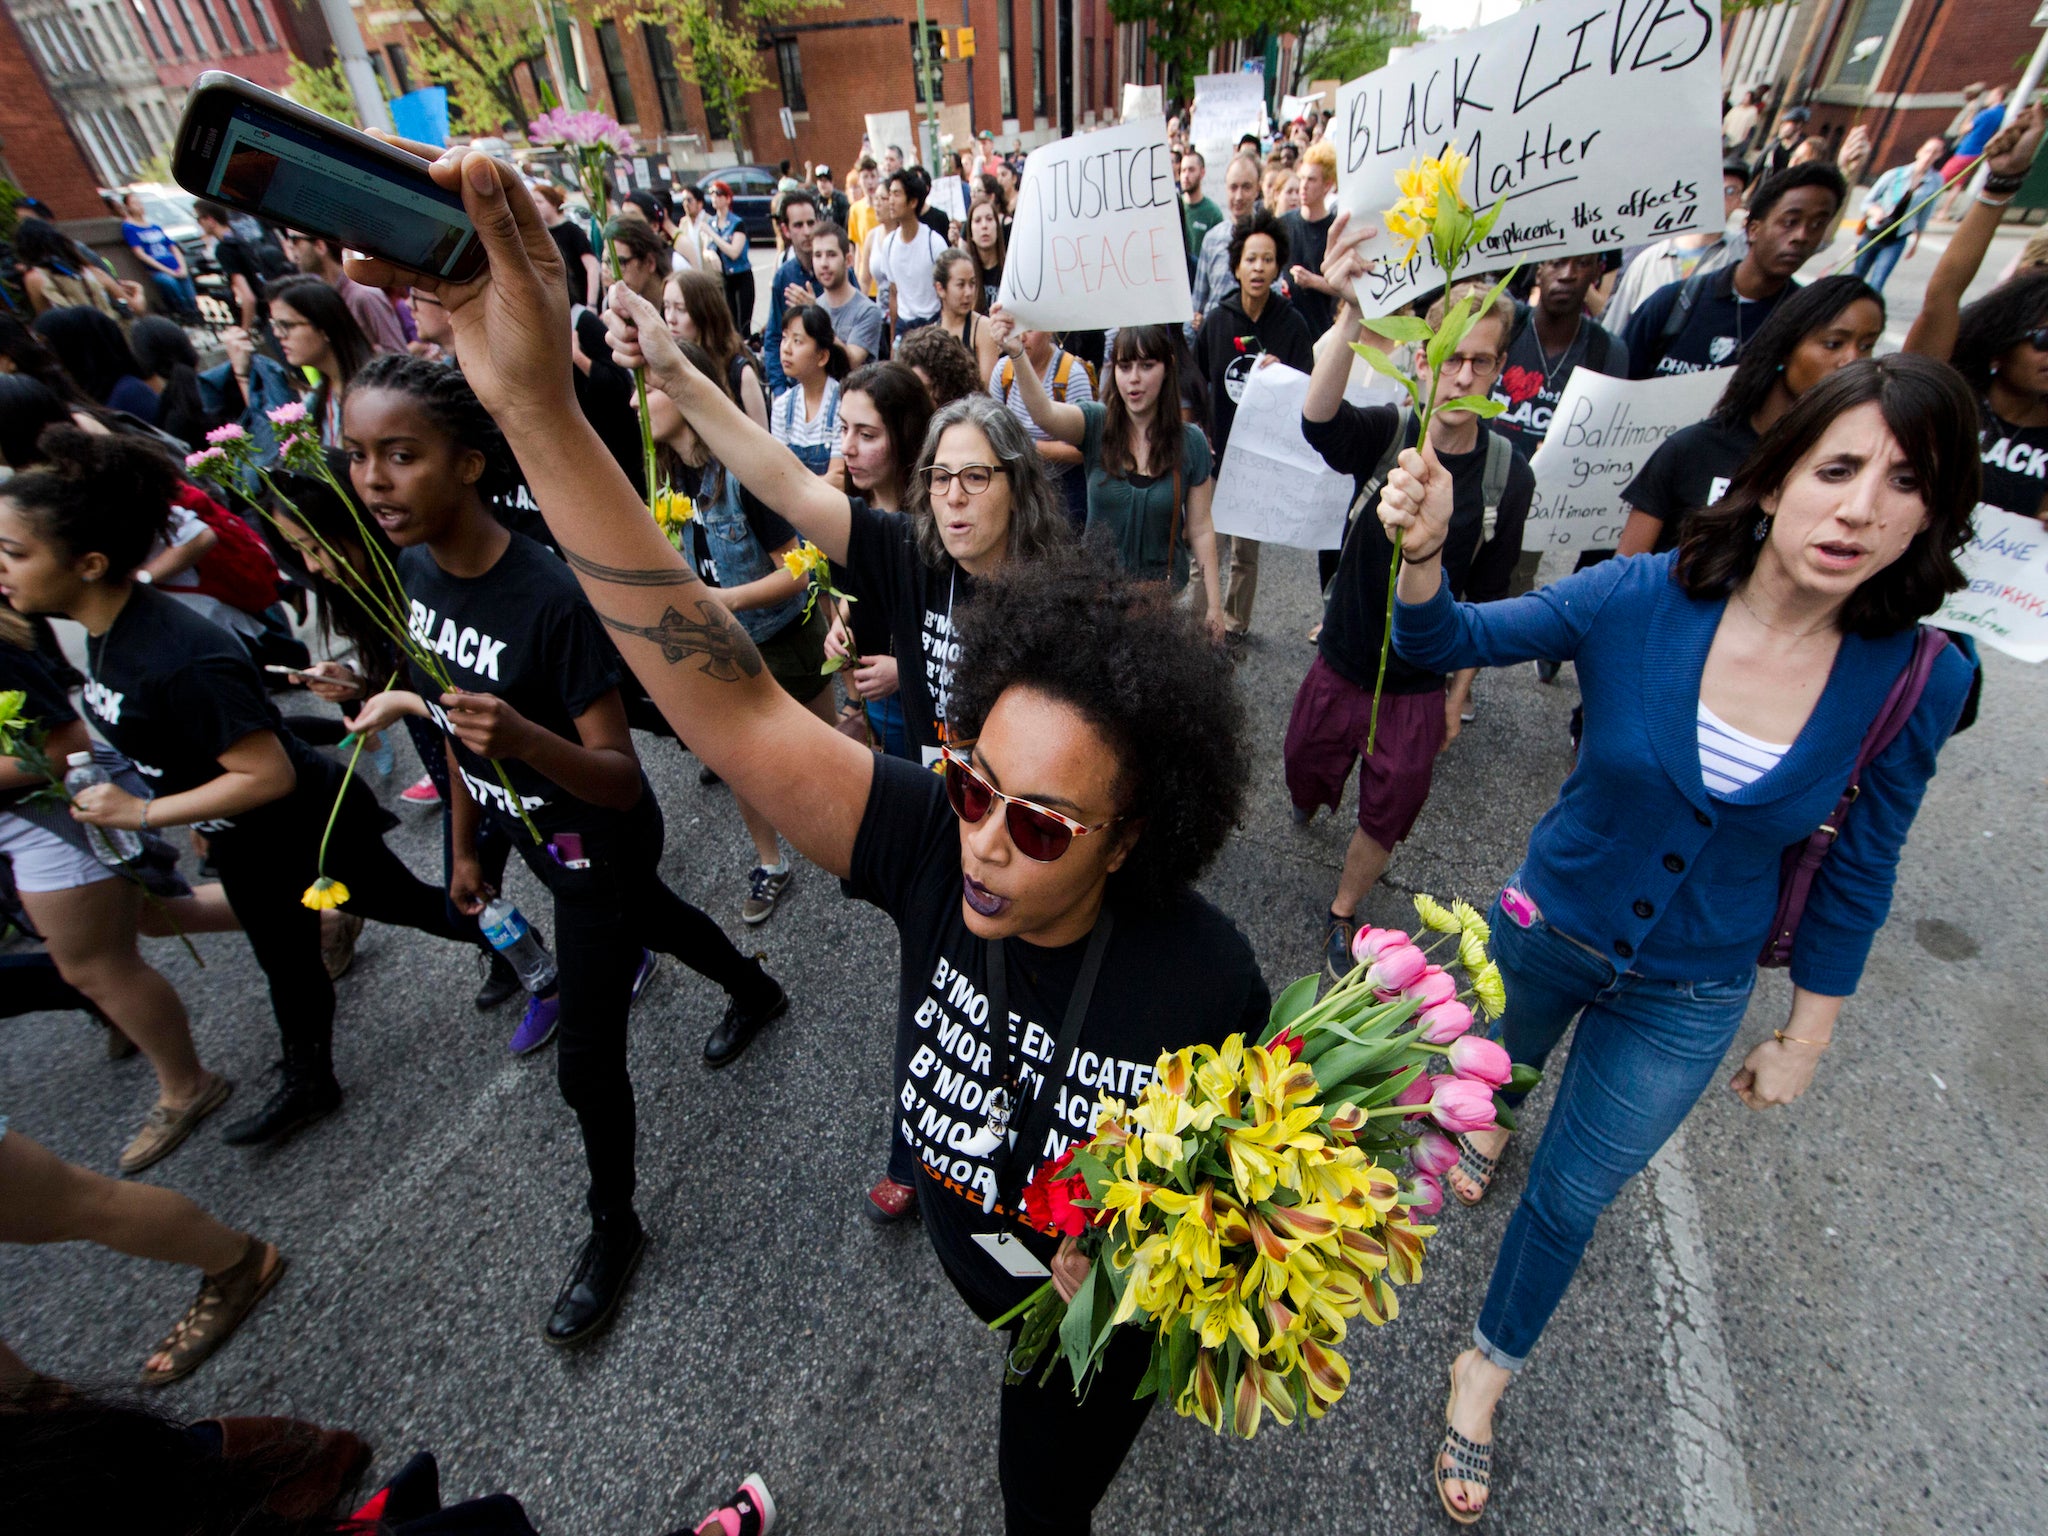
(765, 466)
(697, 664)
(2011, 153)
(1342, 268)
(1061, 420)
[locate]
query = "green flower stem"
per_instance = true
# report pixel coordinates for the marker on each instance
(1023, 1306)
(348, 773)
(1379, 682)
(592, 166)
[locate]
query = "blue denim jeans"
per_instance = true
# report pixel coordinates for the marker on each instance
(178, 295)
(1875, 263)
(1644, 1053)
(885, 719)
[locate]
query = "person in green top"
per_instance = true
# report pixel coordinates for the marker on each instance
(1202, 213)
(1150, 475)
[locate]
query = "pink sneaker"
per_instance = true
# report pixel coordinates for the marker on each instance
(422, 793)
(750, 1513)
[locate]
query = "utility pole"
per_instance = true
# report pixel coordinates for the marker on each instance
(355, 64)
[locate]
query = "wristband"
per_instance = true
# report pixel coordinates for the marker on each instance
(1412, 557)
(1785, 1039)
(2003, 185)
(1992, 202)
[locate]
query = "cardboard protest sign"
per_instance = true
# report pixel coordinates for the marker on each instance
(949, 196)
(892, 130)
(1603, 431)
(1227, 107)
(1274, 487)
(1098, 236)
(1598, 120)
(1292, 107)
(1143, 101)
(2006, 602)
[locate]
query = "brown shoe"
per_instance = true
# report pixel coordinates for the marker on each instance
(224, 1302)
(166, 1127)
(338, 937)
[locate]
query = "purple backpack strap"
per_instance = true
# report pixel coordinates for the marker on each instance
(1803, 860)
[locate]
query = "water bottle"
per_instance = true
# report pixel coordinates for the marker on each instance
(112, 846)
(511, 937)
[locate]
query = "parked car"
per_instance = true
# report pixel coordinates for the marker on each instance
(753, 196)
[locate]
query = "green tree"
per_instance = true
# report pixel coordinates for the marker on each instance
(476, 48)
(322, 90)
(727, 39)
(1350, 38)
(1183, 32)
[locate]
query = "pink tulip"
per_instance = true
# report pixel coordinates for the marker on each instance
(1416, 1094)
(1425, 1194)
(1397, 968)
(1433, 1153)
(1444, 1022)
(1370, 943)
(1481, 1060)
(1459, 1104)
(1434, 986)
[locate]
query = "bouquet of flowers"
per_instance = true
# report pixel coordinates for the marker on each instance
(1258, 1198)
(230, 457)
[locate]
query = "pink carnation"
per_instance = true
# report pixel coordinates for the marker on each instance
(289, 414)
(226, 434)
(580, 130)
(203, 458)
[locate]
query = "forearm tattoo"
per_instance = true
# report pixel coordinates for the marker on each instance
(624, 576)
(728, 654)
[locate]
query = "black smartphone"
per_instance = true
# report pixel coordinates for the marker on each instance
(257, 152)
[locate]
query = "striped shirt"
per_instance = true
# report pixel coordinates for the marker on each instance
(793, 428)
(1731, 759)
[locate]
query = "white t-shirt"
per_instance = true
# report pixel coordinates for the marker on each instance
(906, 266)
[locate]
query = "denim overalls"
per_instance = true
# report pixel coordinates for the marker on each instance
(738, 558)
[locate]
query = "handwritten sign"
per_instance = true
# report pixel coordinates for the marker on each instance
(1598, 120)
(1227, 107)
(1143, 101)
(1274, 487)
(892, 130)
(2006, 602)
(1295, 107)
(1603, 431)
(949, 196)
(1098, 237)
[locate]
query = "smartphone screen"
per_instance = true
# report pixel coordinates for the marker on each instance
(294, 177)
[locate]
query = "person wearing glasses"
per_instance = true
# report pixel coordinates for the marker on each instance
(1419, 716)
(1053, 945)
(318, 335)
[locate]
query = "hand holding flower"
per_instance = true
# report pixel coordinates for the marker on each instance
(108, 805)
(1069, 1269)
(385, 710)
(1415, 503)
(487, 725)
(332, 681)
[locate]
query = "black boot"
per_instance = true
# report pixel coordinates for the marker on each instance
(307, 1091)
(597, 1281)
(742, 1021)
(501, 984)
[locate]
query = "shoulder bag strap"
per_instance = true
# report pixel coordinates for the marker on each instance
(1493, 482)
(1013, 1162)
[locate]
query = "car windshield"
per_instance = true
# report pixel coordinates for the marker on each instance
(168, 212)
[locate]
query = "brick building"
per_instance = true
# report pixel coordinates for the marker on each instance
(37, 150)
(101, 80)
(188, 37)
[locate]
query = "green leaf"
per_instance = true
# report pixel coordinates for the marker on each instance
(1457, 322)
(1389, 1090)
(832, 664)
(1394, 328)
(1524, 1078)
(1502, 1115)
(1478, 405)
(1483, 225)
(1290, 1005)
(1077, 1331)
(1381, 363)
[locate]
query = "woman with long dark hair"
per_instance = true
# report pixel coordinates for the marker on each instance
(1150, 474)
(94, 351)
(1828, 324)
(805, 417)
(694, 305)
(170, 367)
(315, 330)
(988, 247)
(56, 274)
(1733, 687)
(961, 315)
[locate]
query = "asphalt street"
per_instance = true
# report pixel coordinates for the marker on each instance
(1827, 1319)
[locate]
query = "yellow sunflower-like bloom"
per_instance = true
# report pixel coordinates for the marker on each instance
(1472, 951)
(323, 894)
(1435, 915)
(806, 561)
(1488, 988)
(672, 509)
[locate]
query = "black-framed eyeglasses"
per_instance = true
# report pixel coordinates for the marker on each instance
(2037, 339)
(973, 478)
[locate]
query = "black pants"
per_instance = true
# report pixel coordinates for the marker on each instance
(604, 917)
(739, 298)
(1057, 1453)
(30, 983)
(493, 846)
(267, 860)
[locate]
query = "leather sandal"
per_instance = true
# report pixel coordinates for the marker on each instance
(224, 1302)
(890, 1202)
(1470, 1461)
(1476, 1166)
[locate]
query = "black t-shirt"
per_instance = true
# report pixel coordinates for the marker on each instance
(606, 397)
(919, 602)
(36, 671)
(2015, 463)
(1477, 568)
(522, 631)
(1532, 382)
(172, 691)
(1230, 342)
(1174, 975)
(1689, 470)
(1307, 240)
(259, 264)
(1720, 324)
(574, 245)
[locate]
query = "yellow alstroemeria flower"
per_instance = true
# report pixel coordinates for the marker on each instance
(1326, 1374)
(1257, 1154)
(1488, 988)
(323, 894)
(1192, 1237)
(1346, 1180)
(1449, 170)
(1404, 1249)
(1202, 1400)
(1216, 1312)
(1219, 1074)
(1126, 1198)
(1365, 1254)
(1268, 1272)
(1435, 915)
(1157, 1287)
(1161, 1117)
(1175, 1070)
(806, 561)
(1277, 1082)
(1257, 1389)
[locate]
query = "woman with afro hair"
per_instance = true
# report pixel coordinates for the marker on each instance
(1041, 884)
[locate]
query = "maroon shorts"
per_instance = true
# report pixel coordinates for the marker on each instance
(1326, 734)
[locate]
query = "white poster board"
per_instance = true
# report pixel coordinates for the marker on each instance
(1143, 101)
(1598, 120)
(949, 196)
(892, 130)
(1227, 107)
(1293, 107)
(1274, 487)
(2006, 602)
(1098, 236)
(1602, 432)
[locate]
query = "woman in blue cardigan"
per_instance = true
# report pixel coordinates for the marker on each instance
(1728, 686)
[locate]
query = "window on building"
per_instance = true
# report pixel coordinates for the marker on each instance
(668, 81)
(1037, 56)
(141, 135)
(83, 52)
(1108, 79)
(401, 68)
(381, 68)
(163, 19)
(1874, 23)
(220, 38)
(1087, 71)
(191, 27)
(148, 37)
(1006, 55)
(790, 65)
(614, 55)
(235, 20)
(263, 23)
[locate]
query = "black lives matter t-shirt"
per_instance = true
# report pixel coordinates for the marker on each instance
(920, 602)
(1531, 382)
(1713, 334)
(2015, 463)
(1691, 469)
(522, 631)
(172, 691)
(1174, 975)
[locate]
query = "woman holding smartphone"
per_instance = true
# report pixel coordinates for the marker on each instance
(315, 330)
(538, 693)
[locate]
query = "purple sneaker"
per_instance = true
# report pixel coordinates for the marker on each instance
(649, 964)
(538, 1027)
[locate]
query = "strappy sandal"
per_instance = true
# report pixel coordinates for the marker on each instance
(1476, 1166)
(223, 1304)
(1471, 1462)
